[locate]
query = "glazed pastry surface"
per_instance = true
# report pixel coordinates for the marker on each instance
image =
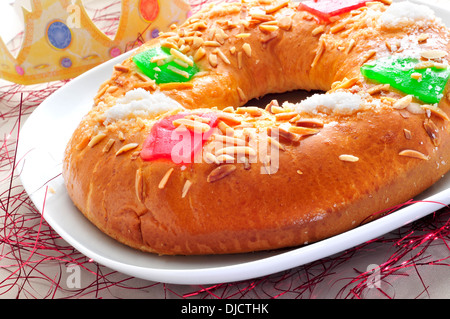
(262, 178)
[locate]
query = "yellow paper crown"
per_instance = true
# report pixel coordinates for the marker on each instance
(61, 41)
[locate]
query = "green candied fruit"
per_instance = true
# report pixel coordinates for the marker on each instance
(426, 84)
(166, 67)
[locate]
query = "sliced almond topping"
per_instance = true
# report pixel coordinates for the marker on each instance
(414, 154)
(247, 49)
(262, 17)
(424, 65)
(433, 54)
(369, 55)
(275, 143)
(320, 50)
(169, 44)
(407, 133)
(135, 155)
(96, 139)
(166, 34)
(182, 56)
(295, 119)
(222, 56)
(252, 110)
(197, 42)
(281, 133)
(228, 109)
(139, 185)
(277, 6)
(337, 28)
(186, 188)
(193, 20)
(285, 116)
(221, 36)
(416, 76)
(199, 54)
(191, 125)
(403, 102)
(145, 85)
(225, 158)
(413, 108)
(211, 44)
(285, 23)
(422, 37)
(225, 128)
(84, 142)
(236, 150)
(437, 65)
(101, 91)
(143, 77)
(212, 59)
(378, 88)
(158, 58)
(345, 84)
(350, 45)
(200, 25)
(388, 46)
(303, 130)
(121, 68)
(220, 172)
(241, 94)
(197, 118)
(177, 61)
(312, 123)
(108, 145)
(242, 35)
(239, 60)
(210, 158)
(268, 28)
(127, 148)
(348, 158)
(436, 111)
(318, 30)
(165, 178)
(229, 140)
(269, 37)
(276, 109)
(178, 71)
(270, 105)
(432, 131)
(228, 118)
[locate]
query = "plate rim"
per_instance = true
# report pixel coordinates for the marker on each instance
(260, 267)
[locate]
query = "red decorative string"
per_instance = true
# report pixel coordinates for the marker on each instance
(35, 262)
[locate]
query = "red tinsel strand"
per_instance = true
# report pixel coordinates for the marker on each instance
(410, 253)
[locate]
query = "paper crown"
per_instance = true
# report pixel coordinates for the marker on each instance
(61, 41)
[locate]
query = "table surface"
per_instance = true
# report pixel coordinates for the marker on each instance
(36, 263)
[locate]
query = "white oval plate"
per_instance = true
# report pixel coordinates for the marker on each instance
(40, 151)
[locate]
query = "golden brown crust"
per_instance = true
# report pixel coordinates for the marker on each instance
(353, 167)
